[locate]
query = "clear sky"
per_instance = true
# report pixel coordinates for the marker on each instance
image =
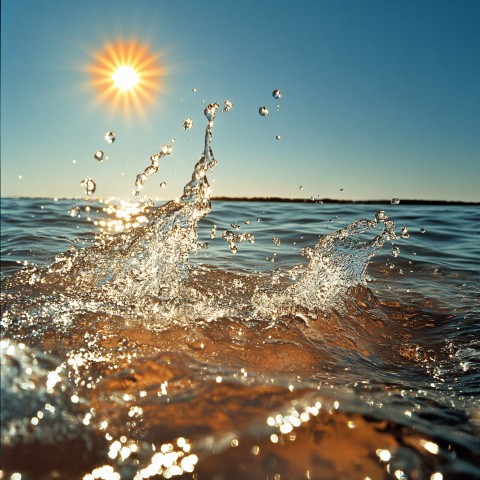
(380, 99)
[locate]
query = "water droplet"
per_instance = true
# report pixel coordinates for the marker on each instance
(395, 251)
(110, 137)
(277, 137)
(300, 187)
(341, 189)
(380, 216)
(263, 111)
(163, 185)
(405, 232)
(74, 161)
(228, 106)
(90, 186)
(277, 94)
(194, 90)
(98, 155)
(395, 201)
(188, 124)
(422, 230)
(20, 177)
(276, 241)
(210, 111)
(149, 171)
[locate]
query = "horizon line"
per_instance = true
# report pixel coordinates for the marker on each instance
(276, 199)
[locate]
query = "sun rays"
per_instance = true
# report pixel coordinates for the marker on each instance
(127, 77)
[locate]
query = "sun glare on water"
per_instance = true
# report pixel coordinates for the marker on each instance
(127, 76)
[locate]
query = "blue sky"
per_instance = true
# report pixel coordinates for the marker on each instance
(381, 99)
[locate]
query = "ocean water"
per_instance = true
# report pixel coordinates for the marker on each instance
(239, 339)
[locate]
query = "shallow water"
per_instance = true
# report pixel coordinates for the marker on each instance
(317, 350)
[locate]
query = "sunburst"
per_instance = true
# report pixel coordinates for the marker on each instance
(127, 76)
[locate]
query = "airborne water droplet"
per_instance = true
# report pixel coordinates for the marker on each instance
(263, 111)
(90, 186)
(163, 185)
(194, 90)
(277, 137)
(110, 137)
(228, 106)
(422, 230)
(210, 111)
(395, 201)
(98, 155)
(277, 94)
(188, 124)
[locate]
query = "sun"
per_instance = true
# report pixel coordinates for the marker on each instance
(127, 77)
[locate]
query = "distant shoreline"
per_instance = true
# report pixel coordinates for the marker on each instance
(333, 200)
(282, 200)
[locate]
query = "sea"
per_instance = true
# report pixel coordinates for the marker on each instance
(250, 339)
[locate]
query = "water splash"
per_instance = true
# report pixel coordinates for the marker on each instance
(338, 262)
(151, 169)
(152, 261)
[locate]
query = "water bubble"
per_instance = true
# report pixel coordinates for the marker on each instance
(99, 155)
(163, 185)
(90, 186)
(110, 137)
(188, 124)
(263, 111)
(395, 201)
(277, 94)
